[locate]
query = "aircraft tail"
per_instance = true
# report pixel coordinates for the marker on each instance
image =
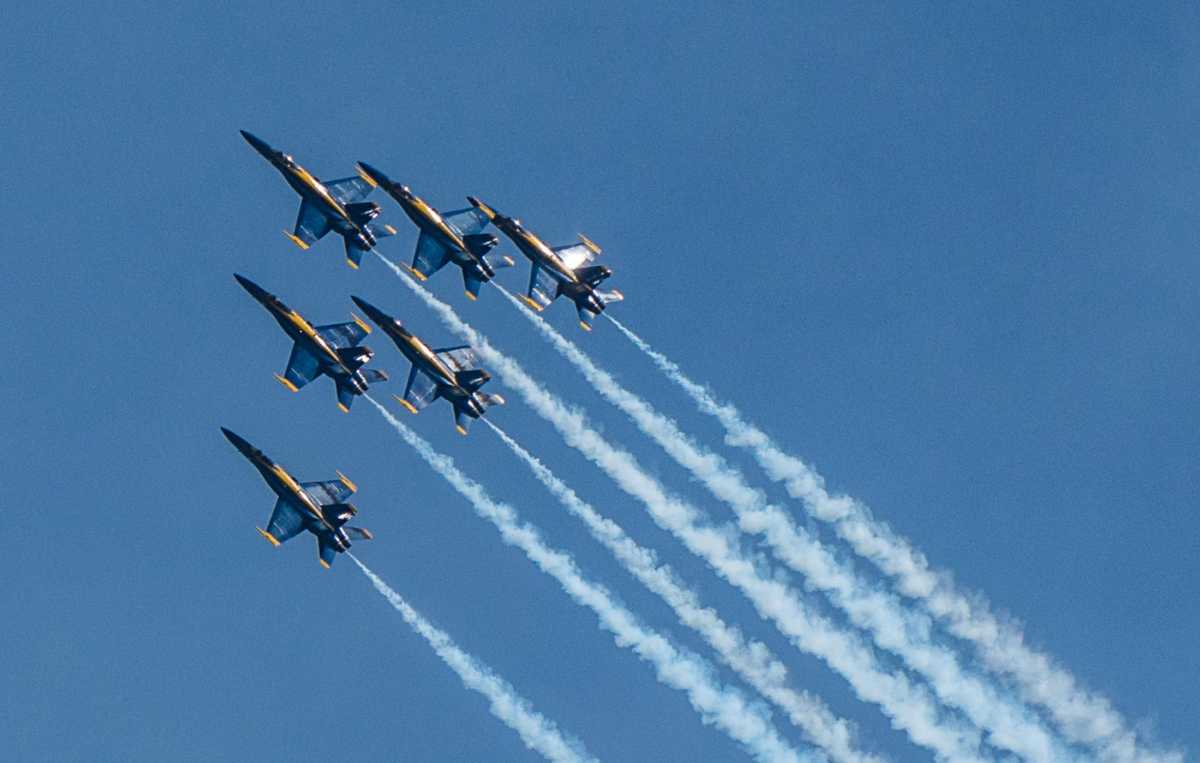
(325, 552)
(345, 396)
(472, 379)
(338, 514)
(359, 533)
(363, 212)
(354, 357)
(593, 274)
(480, 244)
(462, 419)
(608, 297)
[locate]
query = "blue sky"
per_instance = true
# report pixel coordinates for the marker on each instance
(945, 254)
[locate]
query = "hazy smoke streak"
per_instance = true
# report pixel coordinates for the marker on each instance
(753, 661)
(1083, 717)
(908, 705)
(1010, 725)
(724, 707)
(539, 733)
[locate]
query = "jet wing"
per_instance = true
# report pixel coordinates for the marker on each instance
(461, 358)
(285, 522)
(349, 190)
(420, 391)
(311, 226)
(467, 221)
(329, 492)
(430, 257)
(302, 368)
(575, 255)
(542, 288)
(344, 334)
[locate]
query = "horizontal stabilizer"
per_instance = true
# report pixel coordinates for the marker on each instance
(585, 318)
(374, 376)
(462, 420)
(497, 261)
(593, 274)
(471, 283)
(359, 533)
(345, 395)
(608, 297)
(325, 552)
(354, 252)
(488, 400)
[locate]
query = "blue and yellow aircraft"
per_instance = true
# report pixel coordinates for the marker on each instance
(336, 205)
(318, 507)
(456, 237)
(451, 373)
(557, 271)
(332, 350)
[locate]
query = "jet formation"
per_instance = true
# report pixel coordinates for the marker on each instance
(459, 237)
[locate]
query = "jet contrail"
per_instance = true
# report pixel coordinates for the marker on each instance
(753, 661)
(1009, 725)
(725, 707)
(537, 732)
(907, 705)
(1084, 717)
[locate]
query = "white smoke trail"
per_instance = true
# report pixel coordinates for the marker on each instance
(537, 732)
(1083, 716)
(753, 661)
(908, 706)
(1010, 726)
(724, 707)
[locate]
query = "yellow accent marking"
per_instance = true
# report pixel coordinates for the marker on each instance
(324, 563)
(589, 243)
(343, 408)
(352, 264)
(390, 229)
(491, 214)
(461, 431)
(584, 326)
(537, 308)
(268, 536)
(411, 408)
(287, 383)
(362, 174)
(346, 481)
(360, 323)
(418, 273)
(471, 296)
(296, 240)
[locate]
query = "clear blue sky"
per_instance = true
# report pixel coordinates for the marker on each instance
(948, 255)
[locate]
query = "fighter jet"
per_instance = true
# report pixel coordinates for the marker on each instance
(451, 373)
(557, 271)
(318, 507)
(456, 237)
(332, 350)
(335, 205)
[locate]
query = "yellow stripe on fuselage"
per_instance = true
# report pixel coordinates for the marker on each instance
(431, 214)
(307, 178)
(306, 328)
(551, 260)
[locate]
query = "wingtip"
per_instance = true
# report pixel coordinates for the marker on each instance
(270, 538)
(346, 481)
(361, 324)
(296, 240)
(287, 383)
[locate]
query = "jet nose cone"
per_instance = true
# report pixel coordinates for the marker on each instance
(372, 312)
(259, 144)
(237, 441)
(370, 173)
(255, 290)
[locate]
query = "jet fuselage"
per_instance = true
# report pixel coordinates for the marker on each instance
(288, 489)
(312, 191)
(421, 356)
(430, 222)
(303, 333)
